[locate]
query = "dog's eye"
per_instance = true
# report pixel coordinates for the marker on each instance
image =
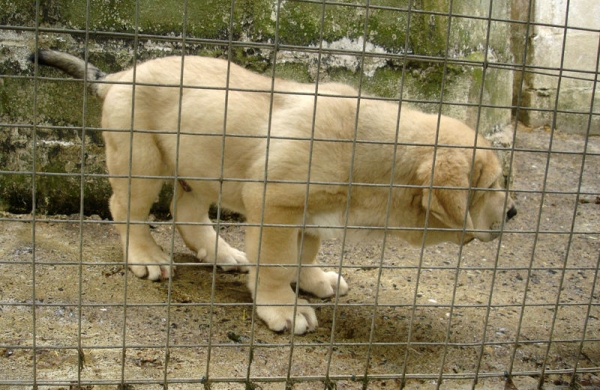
(480, 192)
(492, 186)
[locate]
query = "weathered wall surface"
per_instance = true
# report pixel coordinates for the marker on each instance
(53, 118)
(575, 50)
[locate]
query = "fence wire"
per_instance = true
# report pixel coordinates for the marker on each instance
(520, 311)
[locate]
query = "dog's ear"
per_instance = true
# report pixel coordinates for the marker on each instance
(477, 173)
(449, 205)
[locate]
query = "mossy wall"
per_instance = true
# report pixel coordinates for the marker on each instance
(412, 53)
(562, 90)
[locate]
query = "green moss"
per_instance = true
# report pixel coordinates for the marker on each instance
(16, 12)
(387, 28)
(15, 191)
(59, 102)
(56, 194)
(249, 59)
(16, 97)
(476, 56)
(340, 22)
(65, 108)
(207, 19)
(385, 83)
(343, 75)
(291, 71)
(253, 18)
(299, 23)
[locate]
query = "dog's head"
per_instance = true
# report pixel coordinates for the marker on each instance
(465, 192)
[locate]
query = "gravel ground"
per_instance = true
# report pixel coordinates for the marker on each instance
(524, 304)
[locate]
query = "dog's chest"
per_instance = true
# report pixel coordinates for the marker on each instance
(326, 225)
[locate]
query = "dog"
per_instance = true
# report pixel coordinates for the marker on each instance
(302, 162)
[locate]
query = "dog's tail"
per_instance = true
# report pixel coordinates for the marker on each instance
(71, 65)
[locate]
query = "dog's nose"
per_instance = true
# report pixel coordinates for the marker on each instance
(511, 213)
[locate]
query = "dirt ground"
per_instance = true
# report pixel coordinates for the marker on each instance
(526, 304)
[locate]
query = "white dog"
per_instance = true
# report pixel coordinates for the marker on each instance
(299, 163)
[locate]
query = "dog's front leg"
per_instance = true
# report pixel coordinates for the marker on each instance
(275, 251)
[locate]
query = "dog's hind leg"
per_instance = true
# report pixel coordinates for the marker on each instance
(132, 199)
(200, 236)
(312, 277)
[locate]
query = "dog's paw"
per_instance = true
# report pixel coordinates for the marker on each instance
(154, 266)
(228, 258)
(281, 318)
(232, 260)
(276, 307)
(322, 284)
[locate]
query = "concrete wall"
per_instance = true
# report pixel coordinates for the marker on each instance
(548, 41)
(56, 107)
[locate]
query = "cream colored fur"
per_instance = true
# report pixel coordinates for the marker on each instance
(275, 143)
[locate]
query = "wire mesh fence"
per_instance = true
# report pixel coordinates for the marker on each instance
(517, 308)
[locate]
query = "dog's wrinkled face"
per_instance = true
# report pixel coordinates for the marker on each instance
(479, 204)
